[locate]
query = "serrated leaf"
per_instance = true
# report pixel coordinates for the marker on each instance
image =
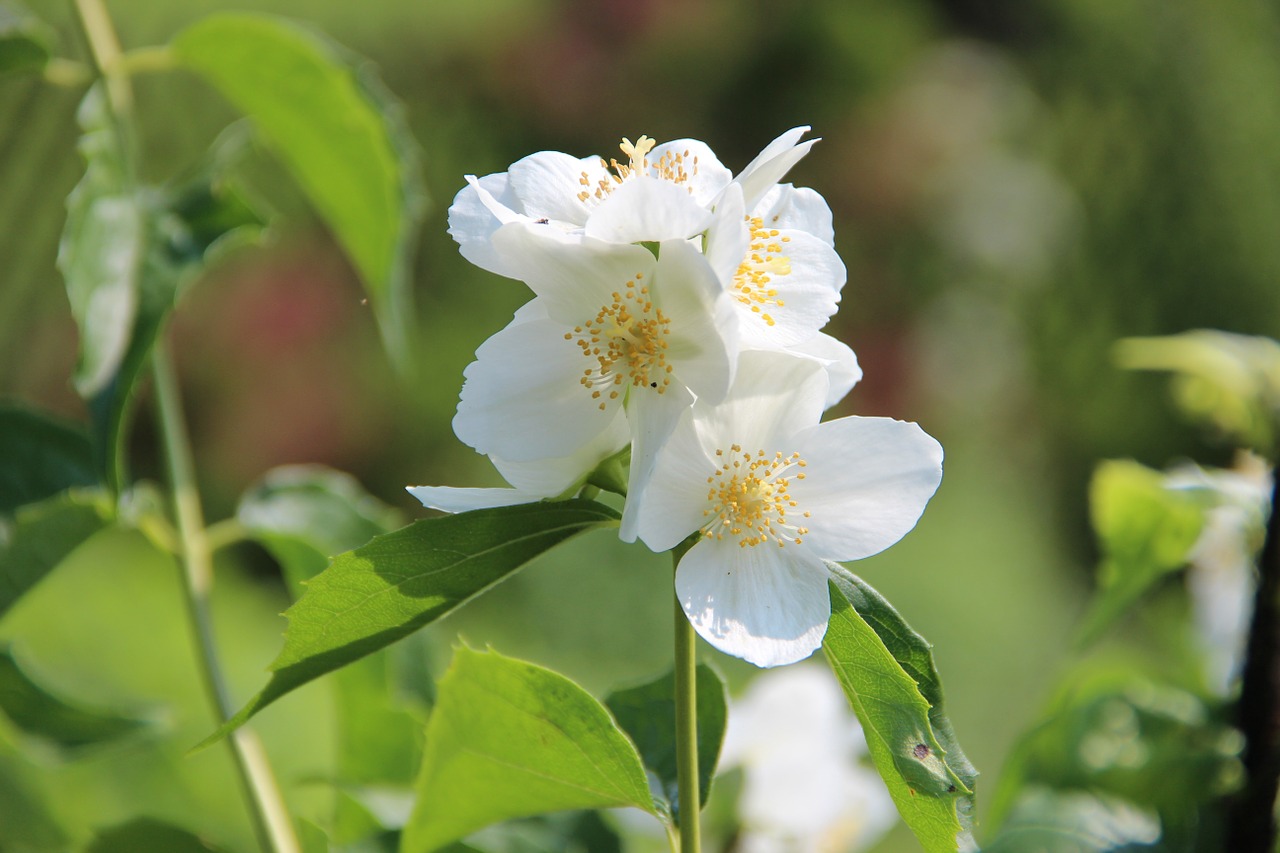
(43, 534)
(935, 801)
(1146, 530)
(146, 833)
(39, 457)
(333, 128)
(71, 725)
(25, 41)
(511, 739)
(647, 713)
(370, 597)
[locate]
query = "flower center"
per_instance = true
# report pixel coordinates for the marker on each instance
(674, 166)
(627, 343)
(753, 282)
(750, 497)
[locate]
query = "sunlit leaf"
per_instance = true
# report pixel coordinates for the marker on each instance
(335, 129)
(1146, 530)
(42, 535)
(510, 739)
(648, 715)
(146, 833)
(563, 832)
(37, 711)
(1049, 821)
(885, 669)
(24, 40)
(370, 597)
(40, 457)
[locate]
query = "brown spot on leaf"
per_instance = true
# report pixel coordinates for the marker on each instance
(920, 751)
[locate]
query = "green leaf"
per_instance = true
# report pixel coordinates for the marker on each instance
(1075, 822)
(647, 713)
(510, 739)
(334, 127)
(886, 670)
(1146, 530)
(375, 595)
(146, 833)
(42, 535)
(40, 457)
(24, 40)
(69, 725)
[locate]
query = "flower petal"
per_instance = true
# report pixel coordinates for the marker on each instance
(448, 499)
(653, 417)
(523, 399)
(644, 209)
(706, 175)
(478, 210)
(675, 500)
(704, 327)
(806, 297)
(866, 484)
(771, 164)
(573, 275)
(764, 604)
(548, 183)
(843, 370)
(728, 237)
(548, 478)
(797, 209)
(774, 396)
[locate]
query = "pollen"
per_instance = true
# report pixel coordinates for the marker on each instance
(749, 498)
(753, 283)
(626, 343)
(676, 167)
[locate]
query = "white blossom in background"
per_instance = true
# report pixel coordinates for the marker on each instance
(801, 750)
(774, 494)
(1221, 577)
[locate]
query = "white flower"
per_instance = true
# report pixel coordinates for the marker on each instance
(612, 328)
(774, 494)
(805, 789)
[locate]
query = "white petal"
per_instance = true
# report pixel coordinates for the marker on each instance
(449, 499)
(764, 604)
(772, 164)
(774, 396)
(644, 209)
(478, 210)
(707, 176)
(866, 484)
(522, 399)
(809, 294)
(574, 275)
(653, 417)
(728, 236)
(843, 370)
(548, 182)
(675, 499)
(704, 326)
(548, 478)
(798, 209)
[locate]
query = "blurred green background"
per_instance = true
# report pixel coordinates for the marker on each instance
(1016, 185)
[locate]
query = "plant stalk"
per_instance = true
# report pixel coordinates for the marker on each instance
(1251, 827)
(686, 728)
(262, 796)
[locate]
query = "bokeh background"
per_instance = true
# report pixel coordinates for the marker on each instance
(1016, 185)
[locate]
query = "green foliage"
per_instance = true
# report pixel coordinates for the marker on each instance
(1145, 529)
(647, 713)
(145, 833)
(509, 739)
(40, 457)
(43, 534)
(66, 724)
(1075, 822)
(1227, 382)
(888, 674)
(370, 597)
(1115, 732)
(24, 41)
(339, 134)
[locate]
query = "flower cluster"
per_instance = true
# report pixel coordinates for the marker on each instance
(676, 322)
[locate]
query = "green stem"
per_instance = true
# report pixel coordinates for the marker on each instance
(266, 806)
(686, 726)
